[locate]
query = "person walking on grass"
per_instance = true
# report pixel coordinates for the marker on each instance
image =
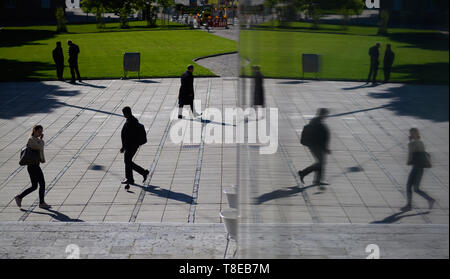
(35, 142)
(417, 158)
(186, 93)
(131, 140)
(316, 137)
(58, 57)
(74, 50)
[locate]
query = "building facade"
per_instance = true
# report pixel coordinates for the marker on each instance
(29, 11)
(417, 12)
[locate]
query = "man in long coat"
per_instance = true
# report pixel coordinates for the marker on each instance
(58, 57)
(374, 53)
(258, 87)
(389, 57)
(186, 93)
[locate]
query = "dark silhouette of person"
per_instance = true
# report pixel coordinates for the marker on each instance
(58, 57)
(319, 136)
(130, 146)
(186, 93)
(74, 50)
(374, 53)
(258, 86)
(415, 146)
(389, 57)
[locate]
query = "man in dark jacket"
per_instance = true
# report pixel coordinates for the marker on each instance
(318, 145)
(374, 53)
(58, 57)
(387, 62)
(74, 50)
(186, 93)
(130, 146)
(258, 87)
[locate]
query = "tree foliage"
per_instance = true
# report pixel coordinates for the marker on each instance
(61, 20)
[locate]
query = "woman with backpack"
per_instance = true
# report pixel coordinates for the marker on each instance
(36, 143)
(418, 159)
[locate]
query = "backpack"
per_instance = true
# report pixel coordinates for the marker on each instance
(142, 134)
(307, 137)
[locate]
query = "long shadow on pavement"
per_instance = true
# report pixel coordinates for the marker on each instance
(281, 193)
(164, 193)
(27, 98)
(424, 102)
(397, 216)
(56, 215)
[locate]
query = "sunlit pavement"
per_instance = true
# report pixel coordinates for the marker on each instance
(367, 170)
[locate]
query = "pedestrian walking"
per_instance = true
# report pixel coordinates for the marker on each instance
(316, 137)
(58, 57)
(374, 53)
(74, 50)
(35, 142)
(186, 93)
(258, 86)
(388, 60)
(132, 135)
(418, 159)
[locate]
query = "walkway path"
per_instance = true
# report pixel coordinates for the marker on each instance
(84, 168)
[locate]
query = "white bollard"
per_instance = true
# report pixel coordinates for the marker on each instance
(230, 219)
(232, 197)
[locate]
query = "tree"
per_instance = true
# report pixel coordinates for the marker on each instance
(165, 4)
(348, 8)
(271, 4)
(383, 24)
(149, 11)
(96, 7)
(315, 8)
(61, 20)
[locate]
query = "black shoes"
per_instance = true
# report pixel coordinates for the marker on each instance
(44, 206)
(300, 173)
(406, 208)
(18, 201)
(126, 181)
(180, 116)
(431, 204)
(145, 176)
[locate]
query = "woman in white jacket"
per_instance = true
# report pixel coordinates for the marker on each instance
(35, 142)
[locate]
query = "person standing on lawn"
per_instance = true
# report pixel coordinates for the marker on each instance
(58, 57)
(374, 53)
(74, 50)
(387, 62)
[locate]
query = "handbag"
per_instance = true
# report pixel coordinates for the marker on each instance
(29, 156)
(421, 160)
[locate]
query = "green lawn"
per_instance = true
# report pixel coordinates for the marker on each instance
(421, 56)
(25, 52)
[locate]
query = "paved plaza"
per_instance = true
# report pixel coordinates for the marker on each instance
(183, 196)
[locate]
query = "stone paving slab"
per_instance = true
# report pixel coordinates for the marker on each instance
(367, 170)
(209, 241)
